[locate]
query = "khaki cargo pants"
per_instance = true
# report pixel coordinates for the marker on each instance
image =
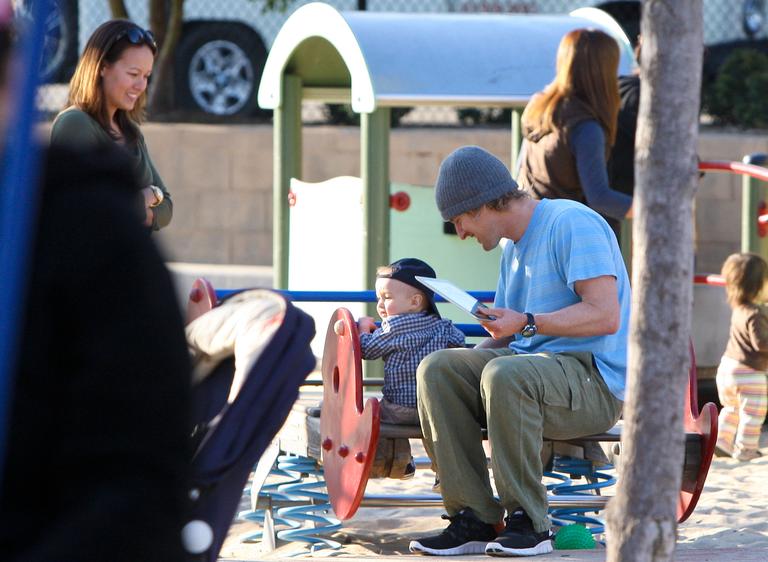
(521, 399)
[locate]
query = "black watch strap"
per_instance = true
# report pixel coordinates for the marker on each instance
(529, 330)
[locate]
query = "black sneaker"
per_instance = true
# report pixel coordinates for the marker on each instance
(409, 471)
(436, 485)
(519, 539)
(465, 535)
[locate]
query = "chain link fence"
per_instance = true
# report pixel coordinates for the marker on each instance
(237, 34)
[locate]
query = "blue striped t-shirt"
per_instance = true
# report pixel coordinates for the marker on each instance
(566, 242)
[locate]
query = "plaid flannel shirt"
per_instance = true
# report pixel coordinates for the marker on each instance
(403, 341)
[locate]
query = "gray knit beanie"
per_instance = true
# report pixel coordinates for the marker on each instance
(469, 178)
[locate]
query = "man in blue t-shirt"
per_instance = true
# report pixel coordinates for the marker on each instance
(554, 367)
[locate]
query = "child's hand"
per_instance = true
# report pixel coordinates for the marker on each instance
(366, 325)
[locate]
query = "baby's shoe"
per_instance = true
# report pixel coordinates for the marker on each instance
(409, 471)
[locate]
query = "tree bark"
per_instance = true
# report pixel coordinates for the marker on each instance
(162, 93)
(117, 9)
(158, 19)
(641, 519)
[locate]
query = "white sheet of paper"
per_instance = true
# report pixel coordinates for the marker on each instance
(454, 294)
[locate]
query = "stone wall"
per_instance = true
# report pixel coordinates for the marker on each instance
(221, 181)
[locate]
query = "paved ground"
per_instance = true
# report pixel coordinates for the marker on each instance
(681, 555)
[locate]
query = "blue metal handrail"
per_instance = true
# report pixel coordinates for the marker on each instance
(471, 330)
(346, 296)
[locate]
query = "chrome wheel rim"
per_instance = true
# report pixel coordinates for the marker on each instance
(221, 77)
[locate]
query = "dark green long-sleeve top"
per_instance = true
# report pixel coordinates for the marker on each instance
(74, 128)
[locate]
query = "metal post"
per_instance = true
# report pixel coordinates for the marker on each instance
(752, 203)
(374, 170)
(625, 244)
(287, 165)
(517, 140)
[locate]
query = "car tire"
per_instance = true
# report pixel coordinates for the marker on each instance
(218, 69)
(60, 43)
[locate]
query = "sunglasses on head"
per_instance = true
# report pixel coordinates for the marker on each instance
(137, 36)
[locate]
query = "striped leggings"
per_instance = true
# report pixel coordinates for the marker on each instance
(743, 393)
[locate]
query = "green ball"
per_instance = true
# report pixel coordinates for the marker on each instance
(574, 537)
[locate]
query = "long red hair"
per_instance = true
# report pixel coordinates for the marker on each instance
(587, 66)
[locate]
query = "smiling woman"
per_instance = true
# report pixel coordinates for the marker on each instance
(107, 96)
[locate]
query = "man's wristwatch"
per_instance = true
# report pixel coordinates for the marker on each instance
(159, 195)
(530, 329)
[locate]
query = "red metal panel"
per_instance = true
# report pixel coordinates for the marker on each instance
(349, 431)
(705, 424)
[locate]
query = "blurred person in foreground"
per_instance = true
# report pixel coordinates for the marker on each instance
(107, 95)
(96, 463)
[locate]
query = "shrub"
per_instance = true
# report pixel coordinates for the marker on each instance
(737, 96)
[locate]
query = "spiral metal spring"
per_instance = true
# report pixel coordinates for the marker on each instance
(565, 469)
(306, 523)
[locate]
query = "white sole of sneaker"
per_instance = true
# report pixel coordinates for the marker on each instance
(495, 549)
(473, 547)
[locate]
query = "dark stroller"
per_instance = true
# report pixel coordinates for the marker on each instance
(239, 405)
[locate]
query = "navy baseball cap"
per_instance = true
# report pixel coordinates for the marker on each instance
(405, 270)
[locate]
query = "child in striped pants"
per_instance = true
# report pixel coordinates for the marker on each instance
(741, 376)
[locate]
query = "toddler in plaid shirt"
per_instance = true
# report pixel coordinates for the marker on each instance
(411, 328)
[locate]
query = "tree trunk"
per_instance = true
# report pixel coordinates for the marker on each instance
(158, 19)
(641, 519)
(162, 94)
(117, 9)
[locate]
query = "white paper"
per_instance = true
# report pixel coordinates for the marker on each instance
(454, 294)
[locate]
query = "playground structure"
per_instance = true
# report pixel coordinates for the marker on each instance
(350, 430)
(346, 437)
(380, 61)
(348, 440)
(754, 210)
(376, 62)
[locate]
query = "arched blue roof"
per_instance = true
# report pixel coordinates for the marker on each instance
(395, 60)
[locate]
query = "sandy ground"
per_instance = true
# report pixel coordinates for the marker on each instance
(730, 522)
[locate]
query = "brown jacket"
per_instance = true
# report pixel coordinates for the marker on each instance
(548, 168)
(748, 340)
